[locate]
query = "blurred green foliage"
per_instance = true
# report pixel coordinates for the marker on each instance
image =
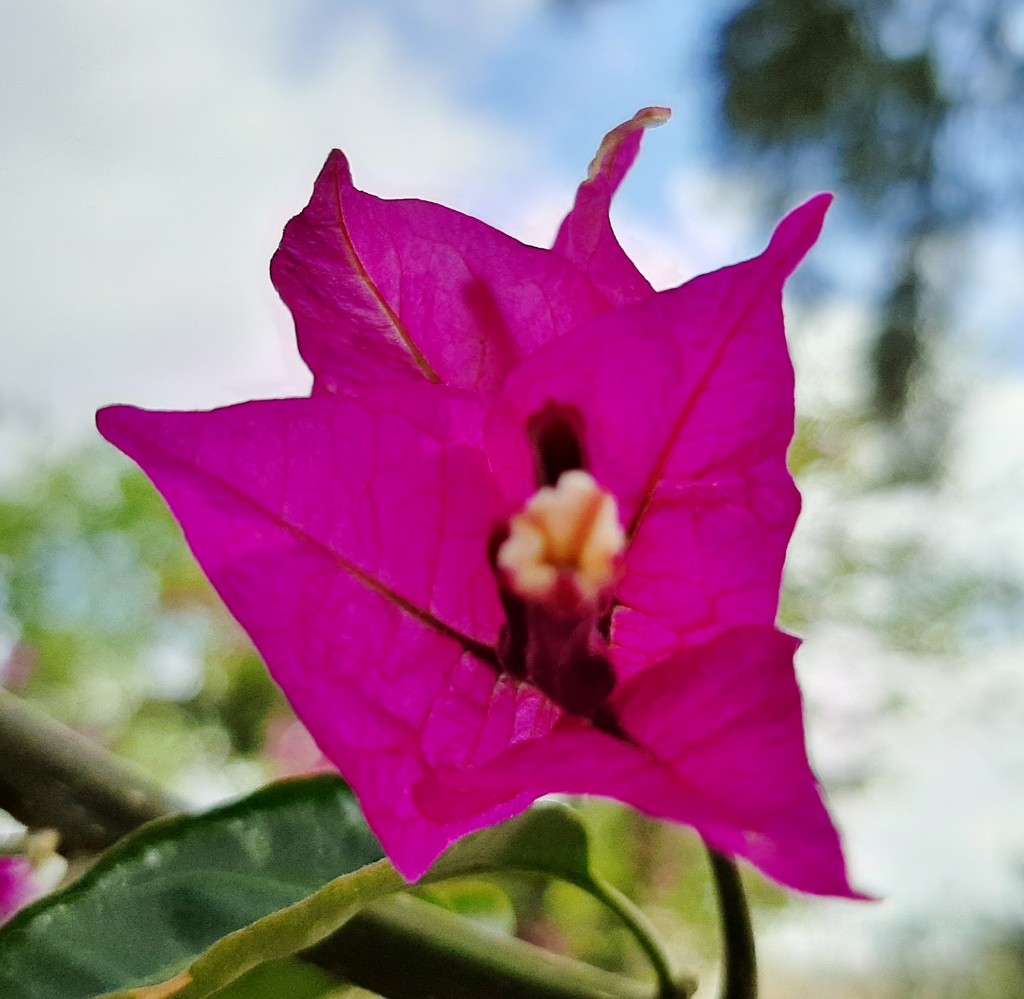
(107, 623)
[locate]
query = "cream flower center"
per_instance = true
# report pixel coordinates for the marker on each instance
(566, 533)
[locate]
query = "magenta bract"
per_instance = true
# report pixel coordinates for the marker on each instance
(18, 885)
(527, 535)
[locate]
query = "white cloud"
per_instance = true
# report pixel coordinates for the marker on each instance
(153, 153)
(488, 22)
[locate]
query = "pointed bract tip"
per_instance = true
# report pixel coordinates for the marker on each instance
(612, 142)
(799, 231)
(117, 423)
(106, 418)
(335, 165)
(816, 207)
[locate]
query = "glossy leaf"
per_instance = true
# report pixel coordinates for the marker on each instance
(163, 896)
(292, 978)
(549, 839)
(277, 936)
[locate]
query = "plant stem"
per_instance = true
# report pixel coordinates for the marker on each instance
(646, 936)
(739, 961)
(52, 777)
(405, 948)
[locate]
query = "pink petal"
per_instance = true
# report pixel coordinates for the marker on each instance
(622, 375)
(686, 403)
(418, 286)
(720, 496)
(349, 538)
(586, 237)
(716, 743)
(18, 885)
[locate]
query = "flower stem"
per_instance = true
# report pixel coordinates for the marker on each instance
(645, 935)
(739, 961)
(54, 778)
(404, 948)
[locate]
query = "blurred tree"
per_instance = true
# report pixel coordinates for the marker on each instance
(914, 110)
(917, 108)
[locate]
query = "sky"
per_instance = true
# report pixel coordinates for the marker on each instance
(153, 152)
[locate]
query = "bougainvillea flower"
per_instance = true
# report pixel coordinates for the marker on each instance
(18, 885)
(527, 533)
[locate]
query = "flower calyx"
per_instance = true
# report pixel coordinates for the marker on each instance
(558, 565)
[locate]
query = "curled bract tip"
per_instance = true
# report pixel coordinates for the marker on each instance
(612, 142)
(652, 117)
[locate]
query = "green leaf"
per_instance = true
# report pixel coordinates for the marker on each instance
(166, 894)
(290, 978)
(484, 902)
(193, 907)
(276, 936)
(549, 839)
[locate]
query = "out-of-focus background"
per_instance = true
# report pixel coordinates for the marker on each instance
(150, 156)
